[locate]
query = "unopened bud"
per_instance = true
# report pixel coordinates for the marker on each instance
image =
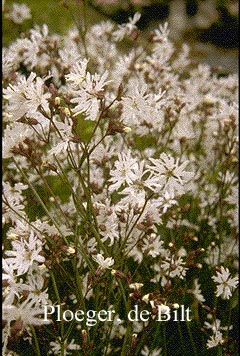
(120, 91)
(12, 236)
(133, 341)
(57, 100)
(145, 298)
(113, 271)
(71, 250)
(135, 286)
(127, 129)
(153, 235)
(67, 112)
(42, 267)
(84, 338)
(208, 99)
(227, 122)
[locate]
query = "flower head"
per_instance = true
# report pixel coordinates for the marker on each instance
(225, 284)
(103, 263)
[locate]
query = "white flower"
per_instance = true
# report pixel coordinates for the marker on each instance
(136, 286)
(56, 347)
(14, 286)
(127, 28)
(14, 198)
(142, 109)
(225, 284)
(65, 130)
(103, 263)
(215, 340)
(78, 73)
(162, 33)
(24, 252)
(167, 200)
(35, 286)
(25, 97)
(216, 325)
(29, 312)
(90, 88)
(176, 266)
(107, 222)
(147, 352)
(170, 173)
(197, 292)
(152, 246)
(18, 13)
(124, 172)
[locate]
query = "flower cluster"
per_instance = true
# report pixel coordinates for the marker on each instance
(119, 189)
(18, 13)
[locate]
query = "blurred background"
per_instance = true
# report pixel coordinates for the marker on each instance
(210, 27)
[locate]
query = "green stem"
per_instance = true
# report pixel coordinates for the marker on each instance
(54, 196)
(164, 341)
(181, 336)
(38, 352)
(126, 340)
(78, 204)
(92, 227)
(58, 300)
(135, 223)
(191, 340)
(219, 351)
(146, 333)
(28, 222)
(40, 201)
(123, 295)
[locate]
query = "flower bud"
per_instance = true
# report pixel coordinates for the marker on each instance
(145, 298)
(127, 129)
(133, 341)
(70, 250)
(12, 236)
(135, 286)
(57, 100)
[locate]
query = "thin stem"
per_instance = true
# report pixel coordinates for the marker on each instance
(181, 336)
(40, 201)
(145, 334)
(53, 195)
(164, 341)
(38, 352)
(78, 204)
(135, 223)
(93, 228)
(82, 31)
(28, 222)
(191, 340)
(126, 340)
(219, 350)
(58, 300)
